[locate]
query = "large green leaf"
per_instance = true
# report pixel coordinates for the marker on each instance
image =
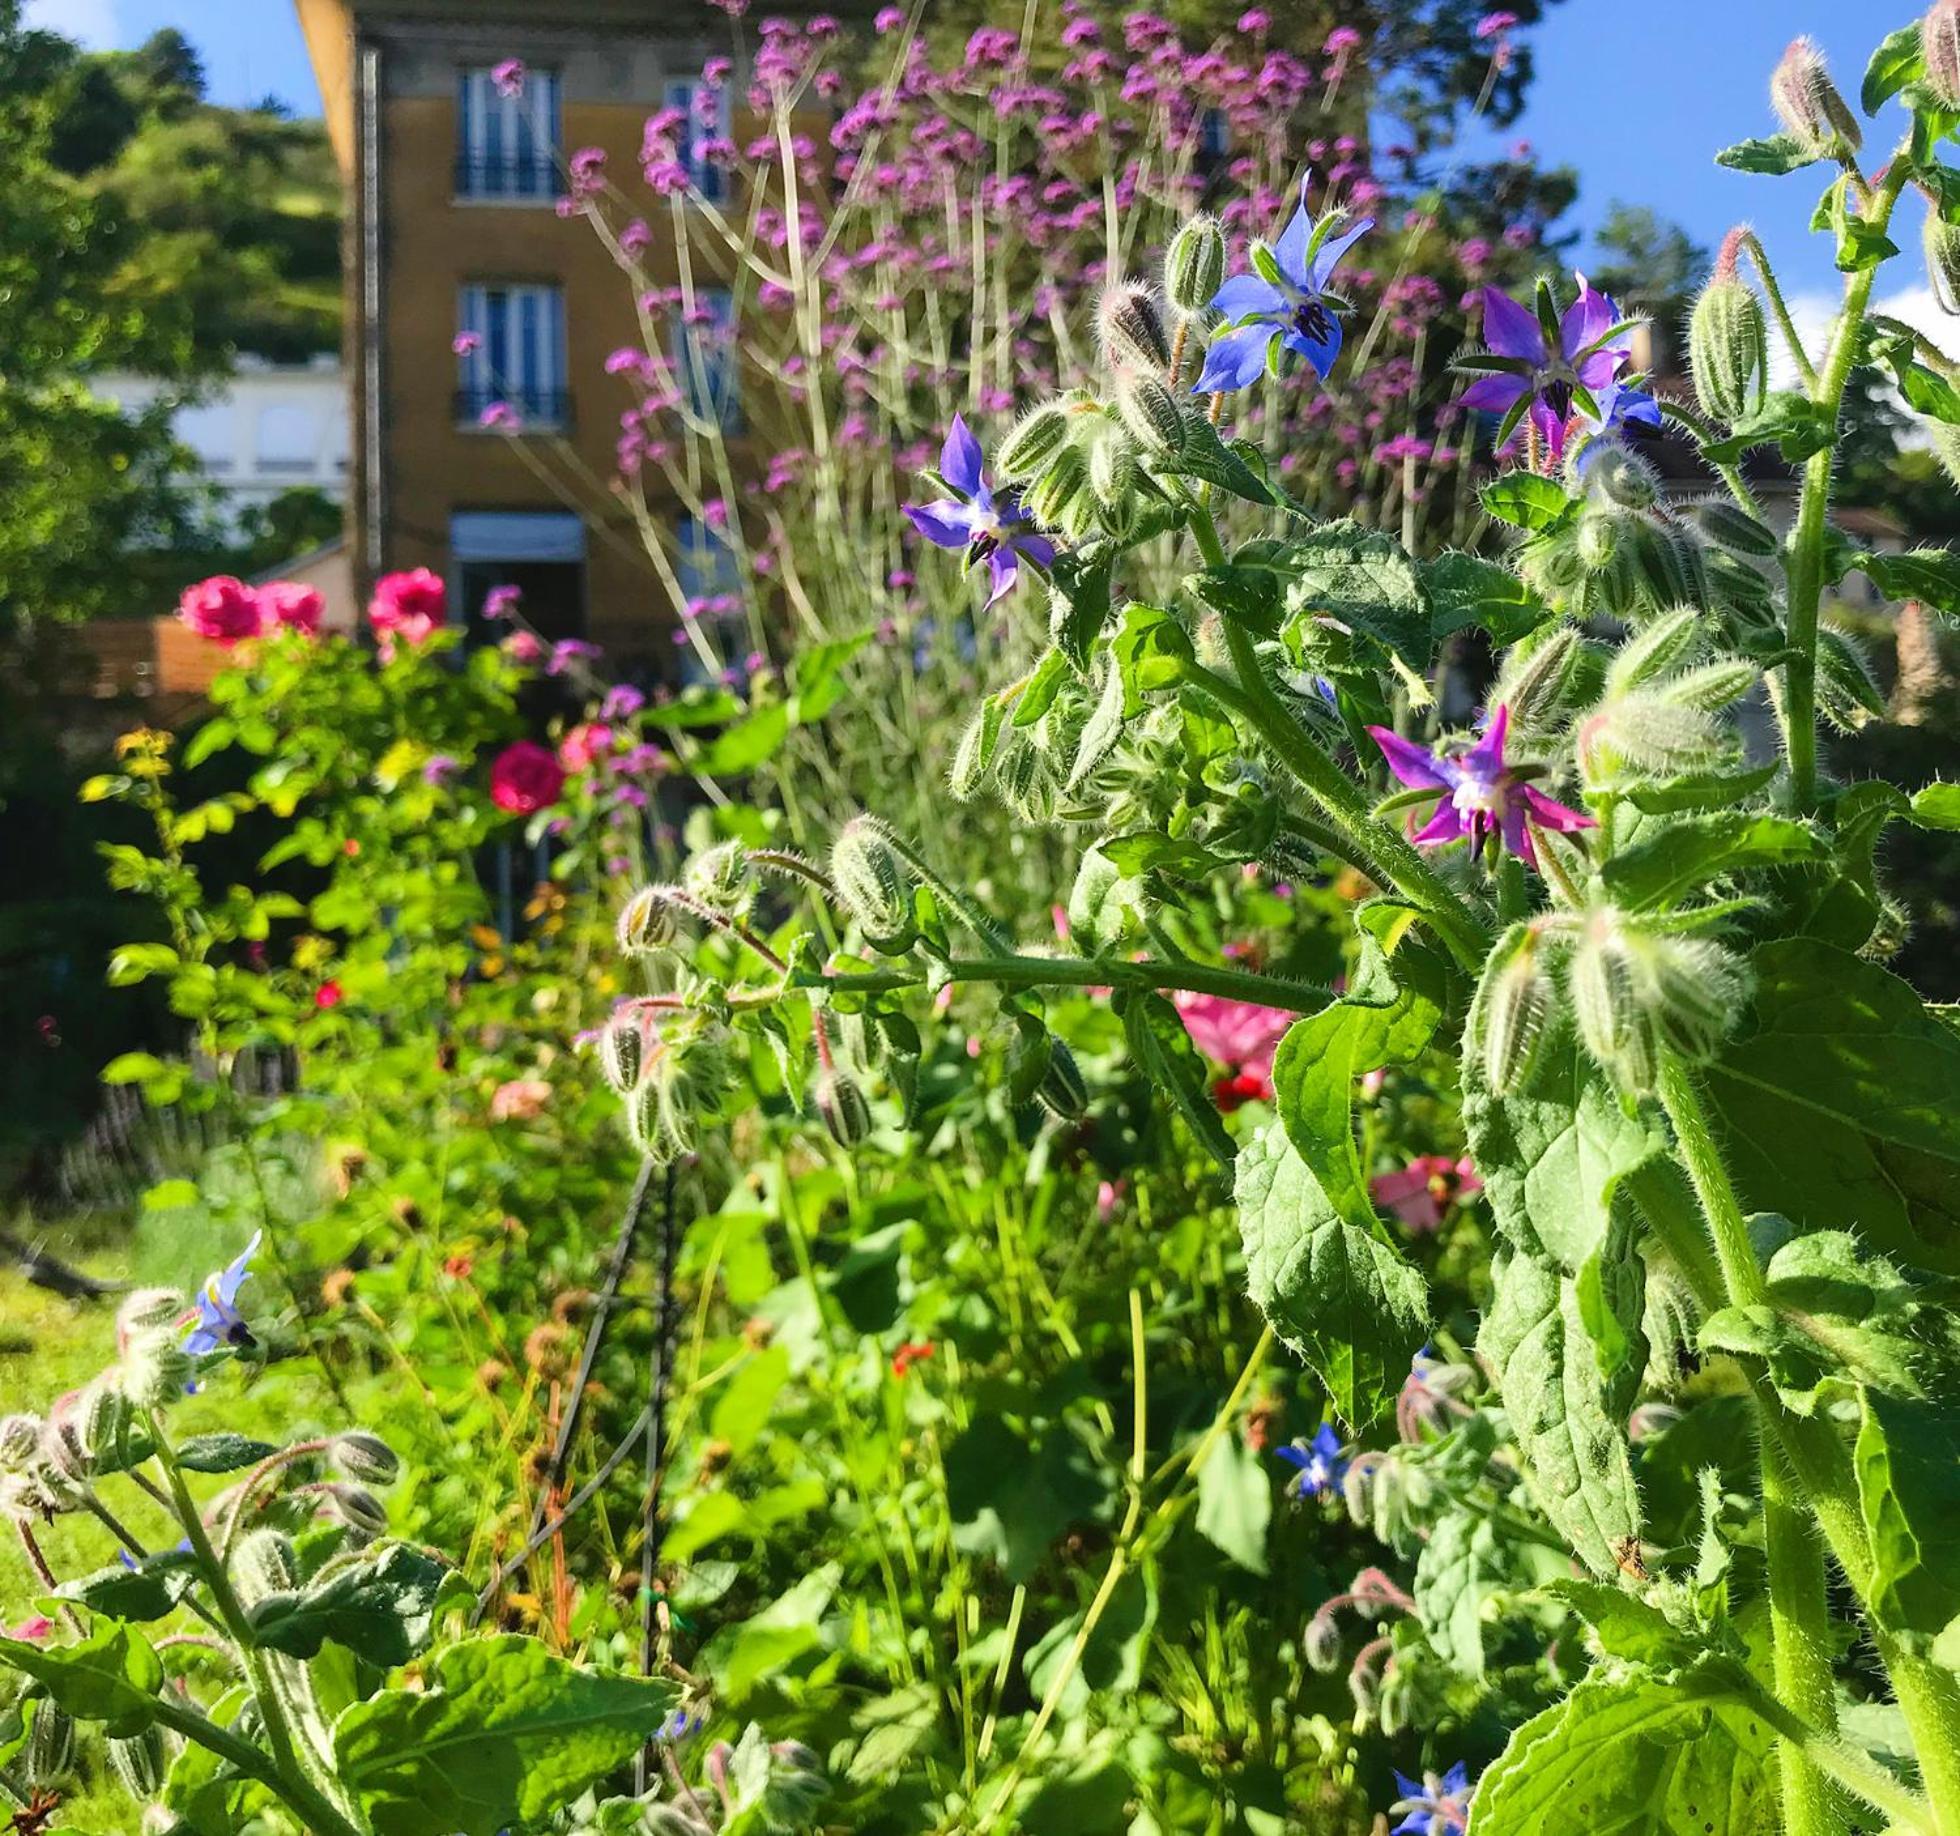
(1235, 1502)
(1321, 1056)
(1569, 1418)
(147, 1589)
(1469, 590)
(1685, 854)
(1908, 1460)
(1363, 580)
(1840, 1104)
(1460, 1566)
(1165, 1055)
(112, 1676)
(1552, 1153)
(1898, 61)
(382, 1604)
(1012, 1492)
(1633, 1753)
(498, 1732)
(741, 1655)
(1343, 1299)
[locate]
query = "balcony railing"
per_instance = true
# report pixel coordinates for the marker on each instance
(525, 177)
(536, 410)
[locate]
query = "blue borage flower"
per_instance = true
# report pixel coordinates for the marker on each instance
(1282, 304)
(219, 1323)
(1555, 366)
(994, 530)
(1319, 1461)
(1435, 1806)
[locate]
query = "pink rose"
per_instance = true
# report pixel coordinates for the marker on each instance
(587, 743)
(1426, 1189)
(521, 1100)
(223, 609)
(522, 647)
(408, 608)
(1240, 1035)
(525, 779)
(293, 604)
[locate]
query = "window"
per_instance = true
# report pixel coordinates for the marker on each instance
(705, 358)
(288, 437)
(507, 146)
(711, 585)
(513, 353)
(708, 121)
(540, 552)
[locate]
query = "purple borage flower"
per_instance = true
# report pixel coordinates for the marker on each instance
(1433, 1806)
(1320, 1464)
(1282, 303)
(219, 1323)
(996, 531)
(1481, 794)
(1553, 366)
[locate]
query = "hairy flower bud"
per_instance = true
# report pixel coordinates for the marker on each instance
(104, 1425)
(1654, 650)
(262, 1564)
(1033, 441)
(1728, 342)
(1517, 1008)
(1131, 327)
(1608, 1003)
(1113, 468)
(658, 1117)
(1643, 736)
(1942, 244)
(356, 1507)
(1697, 991)
(1808, 104)
(1535, 681)
(623, 1051)
(50, 1751)
(973, 757)
(647, 921)
(1729, 526)
(1062, 1091)
(1713, 686)
(1848, 693)
(1151, 412)
(843, 1108)
(1616, 475)
(1322, 1642)
(148, 1310)
(1396, 1700)
(20, 1442)
(1194, 266)
(720, 878)
(874, 883)
(366, 1457)
(1939, 45)
(139, 1763)
(1596, 537)
(1053, 496)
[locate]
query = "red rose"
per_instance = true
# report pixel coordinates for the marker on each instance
(408, 608)
(223, 609)
(328, 994)
(525, 779)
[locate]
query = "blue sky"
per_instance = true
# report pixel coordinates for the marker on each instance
(1637, 97)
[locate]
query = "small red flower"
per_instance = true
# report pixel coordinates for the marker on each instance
(458, 1267)
(1244, 1087)
(526, 778)
(909, 1354)
(350, 847)
(328, 994)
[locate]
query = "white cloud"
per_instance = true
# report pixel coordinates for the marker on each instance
(1814, 313)
(92, 22)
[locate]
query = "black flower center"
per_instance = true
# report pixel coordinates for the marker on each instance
(1313, 321)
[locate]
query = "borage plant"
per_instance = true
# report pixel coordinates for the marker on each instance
(1717, 1137)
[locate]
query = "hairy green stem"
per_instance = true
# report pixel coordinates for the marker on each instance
(1680, 1096)
(1857, 1772)
(1804, 562)
(1800, 1628)
(1095, 972)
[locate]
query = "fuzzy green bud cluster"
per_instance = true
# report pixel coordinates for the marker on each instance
(1637, 992)
(1130, 329)
(1728, 342)
(139, 1763)
(843, 1108)
(365, 1457)
(1808, 104)
(1661, 714)
(648, 922)
(49, 1755)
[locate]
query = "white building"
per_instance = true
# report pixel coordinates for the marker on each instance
(265, 429)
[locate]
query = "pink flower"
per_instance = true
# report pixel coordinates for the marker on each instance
(583, 745)
(1254, 21)
(501, 601)
(508, 77)
(223, 609)
(464, 343)
(32, 1630)
(407, 608)
(522, 647)
(526, 778)
(328, 994)
(1240, 1035)
(1426, 1189)
(521, 1100)
(293, 604)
